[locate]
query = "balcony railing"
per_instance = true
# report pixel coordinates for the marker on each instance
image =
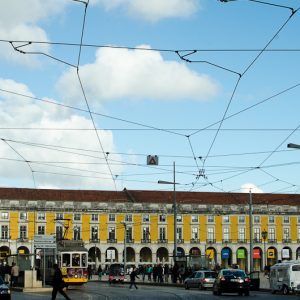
(242, 241)
(145, 241)
(286, 241)
(162, 241)
(226, 241)
(112, 241)
(94, 241)
(22, 240)
(195, 241)
(272, 241)
(180, 241)
(211, 241)
(130, 241)
(257, 241)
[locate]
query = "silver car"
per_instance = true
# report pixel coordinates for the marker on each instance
(200, 279)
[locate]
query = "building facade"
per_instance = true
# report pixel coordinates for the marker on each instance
(212, 224)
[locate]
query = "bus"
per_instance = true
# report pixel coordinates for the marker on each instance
(72, 258)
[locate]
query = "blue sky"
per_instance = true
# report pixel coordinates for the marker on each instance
(224, 114)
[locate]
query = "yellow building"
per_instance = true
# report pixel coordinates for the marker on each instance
(216, 225)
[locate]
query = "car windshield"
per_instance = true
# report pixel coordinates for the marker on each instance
(210, 275)
(234, 273)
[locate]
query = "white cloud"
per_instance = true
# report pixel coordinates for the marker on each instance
(154, 10)
(245, 188)
(19, 21)
(134, 74)
(15, 111)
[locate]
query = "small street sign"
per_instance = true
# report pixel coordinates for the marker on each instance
(152, 160)
(44, 241)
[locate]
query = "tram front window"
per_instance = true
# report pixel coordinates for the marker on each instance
(75, 260)
(66, 260)
(83, 260)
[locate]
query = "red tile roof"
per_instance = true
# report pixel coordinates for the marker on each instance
(143, 196)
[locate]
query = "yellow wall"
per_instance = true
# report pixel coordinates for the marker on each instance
(119, 227)
(14, 225)
(186, 227)
(103, 227)
(85, 227)
(218, 228)
(279, 231)
(154, 227)
(50, 223)
(202, 228)
(170, 228)
(234, 228)
(137, 227)
(293, 230)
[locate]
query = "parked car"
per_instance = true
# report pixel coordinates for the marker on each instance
(232, 281)
(201, 280)
(5, 292)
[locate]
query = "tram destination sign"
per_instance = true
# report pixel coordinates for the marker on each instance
(44, 241)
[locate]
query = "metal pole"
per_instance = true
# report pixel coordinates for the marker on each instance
(125, 232)
(250, 231)
(44, 265)
(265, 253)
(175, 215)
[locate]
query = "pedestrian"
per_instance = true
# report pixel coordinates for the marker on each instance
(89, 270)
(160, 272)
(58, 283)
(181, 273)
(149, 272)
(133, 275)
(175, 271)
(154, 273)
(99, 272)
(166, 273)
(144, 271)
(14, 274)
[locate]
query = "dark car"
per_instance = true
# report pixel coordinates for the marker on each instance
(116, 273)
(200, 279)
(5, 293)
(232, 281)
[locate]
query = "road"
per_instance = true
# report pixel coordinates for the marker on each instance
(99, 291)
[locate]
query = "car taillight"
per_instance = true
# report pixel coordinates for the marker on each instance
(247, 279)
(204, 280)
(223, 278)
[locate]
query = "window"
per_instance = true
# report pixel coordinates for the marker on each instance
(271, 234)
(23, 232)
(128, 218)
(4, 215)
(256, 219)
(210, 219)
(94, 233)
(59, 232)
(94, 217)
(226, 234)
(112, 218)
(23, 216)
(111, 233)
(242, 219)
(257, 235)
(76, 231)
(128, 233)
(41, 229)
(59, 216)
(146, 233)
(75, 260)
(179, 233)
(286, 220)
(226, 219)
(179, 218)
(41, 216)
(194, 218)
(162, 218)
(195, 231)
(286, 233)
(242, 234)
(4, 232)
(146, 218)
(298, 219)
(210, 233)
(77, 217)
(162, 233)
(271, 219)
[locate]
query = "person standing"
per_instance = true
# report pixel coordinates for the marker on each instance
(99, 272)
(166, 272)
(133, 275)
(58, 283)
(14, 274)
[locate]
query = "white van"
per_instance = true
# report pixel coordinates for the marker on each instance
(285, 277)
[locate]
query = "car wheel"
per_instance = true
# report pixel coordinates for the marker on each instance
(200, 286)
(186, 286)
(247, 293)
(285, 290)
(219, 293)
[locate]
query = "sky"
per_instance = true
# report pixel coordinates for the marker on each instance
(89, 89)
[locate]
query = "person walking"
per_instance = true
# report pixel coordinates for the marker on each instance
(166, 272)
(133, 275)
(58, 283)
(14, 274)
(99, 272)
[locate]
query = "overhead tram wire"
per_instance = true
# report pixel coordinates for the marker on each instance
(24, 159)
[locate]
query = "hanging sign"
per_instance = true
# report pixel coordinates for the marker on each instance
(240, 253)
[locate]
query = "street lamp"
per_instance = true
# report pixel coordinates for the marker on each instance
(174, 209)
(264, 236)
(124, 256)
(95, 249)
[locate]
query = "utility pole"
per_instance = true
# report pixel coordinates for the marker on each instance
(250, 231)
(125, 258)
(175, 214)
